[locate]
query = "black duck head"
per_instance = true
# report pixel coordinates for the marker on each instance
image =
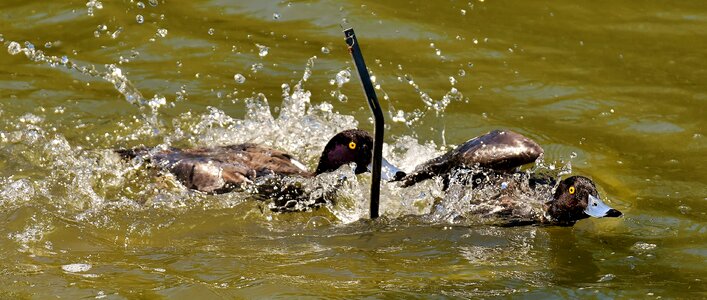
(353, 145)
(577, 198)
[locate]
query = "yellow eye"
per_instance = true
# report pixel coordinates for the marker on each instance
(352, 145)
(571, 190)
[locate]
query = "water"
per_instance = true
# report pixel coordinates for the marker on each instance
(611, 90)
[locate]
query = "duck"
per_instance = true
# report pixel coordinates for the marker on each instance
(494, 159)
(223, 169)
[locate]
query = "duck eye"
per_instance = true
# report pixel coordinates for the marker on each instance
(352, 145)
(571, 190)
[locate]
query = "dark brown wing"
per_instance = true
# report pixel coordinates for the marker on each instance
(497, 150)
(221, 169)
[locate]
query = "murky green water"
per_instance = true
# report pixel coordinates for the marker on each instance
(617, 89)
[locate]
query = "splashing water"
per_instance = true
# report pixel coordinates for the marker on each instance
(341, 78)
(14, 48)
(262, 50)
(344, 76)
(93, 181)
(112, 74)
(93, 5)
(239, 78)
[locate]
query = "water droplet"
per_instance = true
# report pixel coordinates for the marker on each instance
(14, 48)
(326, 107)
(211, 31)
(452, 80)
(75, 268)
(152, 2)
(643, 247)
(139, 19)
(256, 67)
(399, 116)
(607, 277)
(156, 102)
(684, 209)
(325, 50)
(64, 60)
(116, 33)
(161, 32)
(48, 45)
(240, 79)
(2, 38)
(91, 4)
(463, 11)
(276, 16)
(462, 73)
(343, 77)
(140, 5)
(263, 50)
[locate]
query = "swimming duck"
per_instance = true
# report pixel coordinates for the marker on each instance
(222, 169)
(496, 156)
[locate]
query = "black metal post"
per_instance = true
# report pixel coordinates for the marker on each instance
(362, 71)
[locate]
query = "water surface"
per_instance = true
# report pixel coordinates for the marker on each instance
(613, 90)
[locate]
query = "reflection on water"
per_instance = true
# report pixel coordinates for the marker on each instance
(610, 90)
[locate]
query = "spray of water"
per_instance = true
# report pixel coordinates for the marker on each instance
(86, 184)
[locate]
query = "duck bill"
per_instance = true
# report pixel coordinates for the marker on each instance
(598, 209)
(389, 172)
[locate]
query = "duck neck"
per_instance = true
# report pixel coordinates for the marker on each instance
(553, 214)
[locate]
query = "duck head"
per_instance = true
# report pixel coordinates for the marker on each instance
(354, 145)
(577, 198)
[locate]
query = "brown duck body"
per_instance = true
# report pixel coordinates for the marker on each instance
(221, 169)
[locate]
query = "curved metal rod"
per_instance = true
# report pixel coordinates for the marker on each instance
(362, 71)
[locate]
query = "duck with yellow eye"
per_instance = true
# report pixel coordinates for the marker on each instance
(516, 198)
(222, 169)
(576, 198)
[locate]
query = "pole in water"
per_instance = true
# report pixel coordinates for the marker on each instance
(362, 71)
